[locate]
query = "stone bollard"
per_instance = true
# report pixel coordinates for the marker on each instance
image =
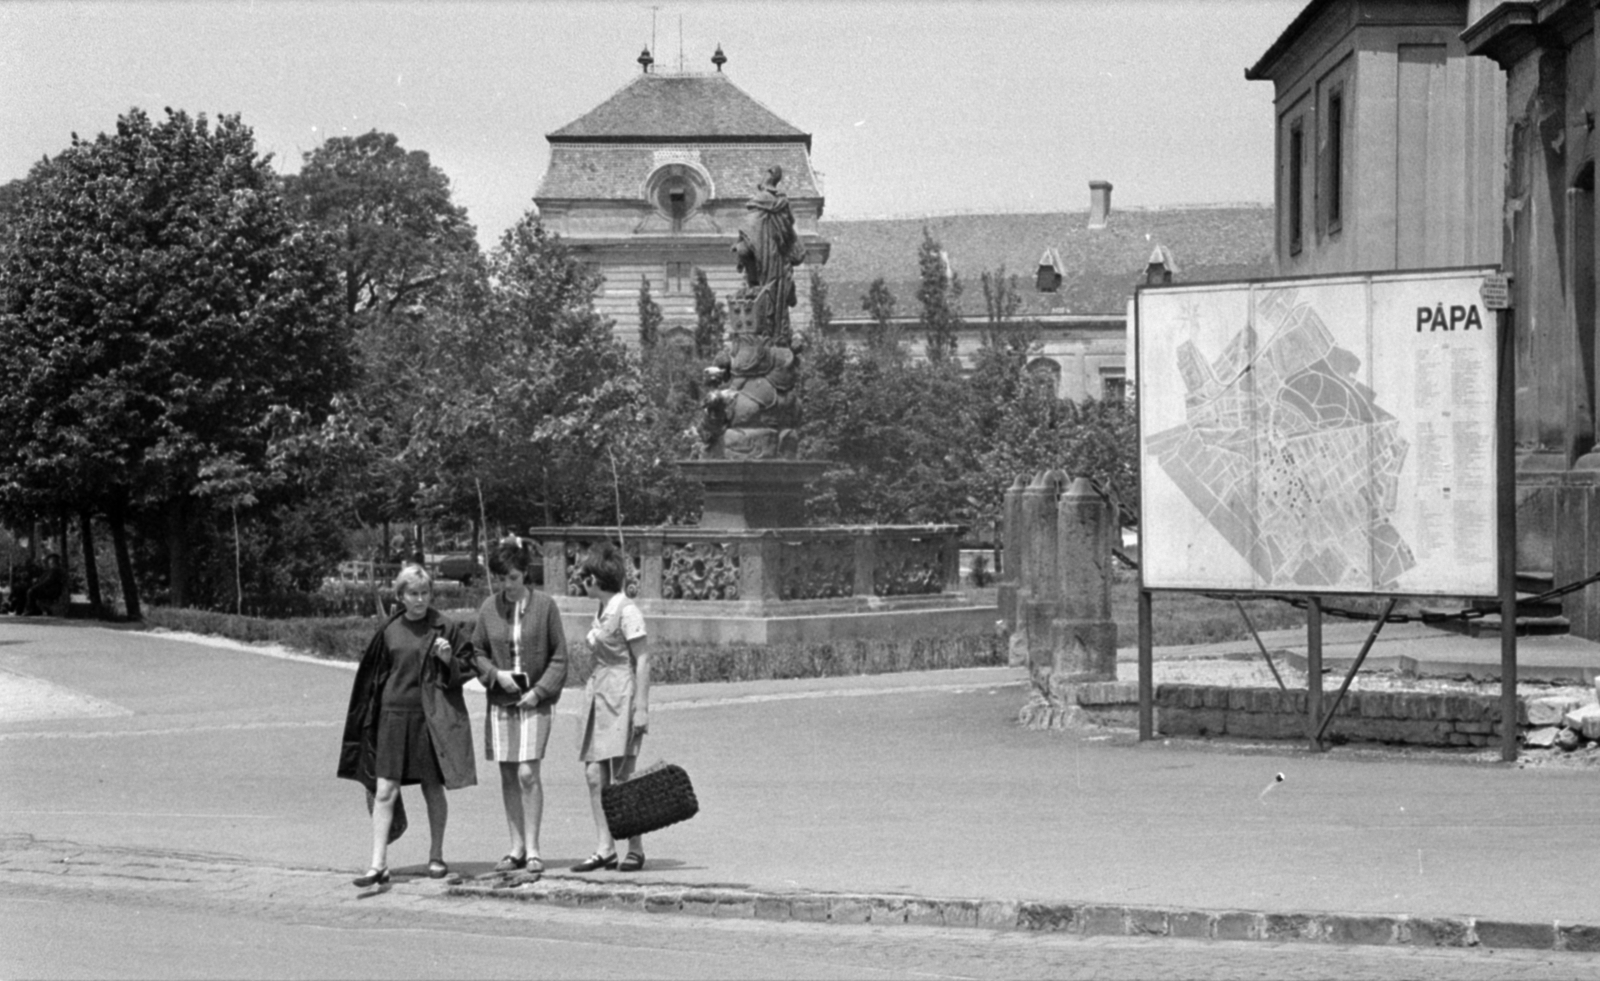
(1011, 559)
(1083, 638)
(1039, 586)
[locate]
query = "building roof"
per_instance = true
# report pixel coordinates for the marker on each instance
(657, 107)
(1356, 14)
(617, 173)
(1100, 267)
(1262, 69)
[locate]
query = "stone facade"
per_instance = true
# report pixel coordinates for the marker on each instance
(1547, 52)
(1388, 139)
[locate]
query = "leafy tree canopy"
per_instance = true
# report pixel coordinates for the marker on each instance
(939, 293)
(158, 303)
(400, 236)
(159, 307)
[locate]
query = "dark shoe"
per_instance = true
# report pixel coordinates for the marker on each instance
(374, 877)
(512, 863)
(596, 861)
(633, 863)
(437, 869)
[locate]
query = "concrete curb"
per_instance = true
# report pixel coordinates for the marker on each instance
(1082, 919)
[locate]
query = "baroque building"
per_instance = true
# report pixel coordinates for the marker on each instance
(652, 183)
(1388, 139)
(1076, 272)
(1419, 134)
(1549, 61)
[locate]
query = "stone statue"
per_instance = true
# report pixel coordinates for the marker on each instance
(751, 411)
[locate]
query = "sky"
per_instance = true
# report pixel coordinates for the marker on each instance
(915, 108)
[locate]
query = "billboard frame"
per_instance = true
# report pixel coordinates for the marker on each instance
(1504, 459)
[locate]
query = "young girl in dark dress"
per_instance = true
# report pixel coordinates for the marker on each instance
(408, 723)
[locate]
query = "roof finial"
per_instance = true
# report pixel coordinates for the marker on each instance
(645, 61)
(719, 59)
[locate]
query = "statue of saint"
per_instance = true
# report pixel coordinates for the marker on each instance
(767, 251)
(752, 413)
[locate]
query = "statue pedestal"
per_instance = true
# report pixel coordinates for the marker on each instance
(712, 586)
(742, 494)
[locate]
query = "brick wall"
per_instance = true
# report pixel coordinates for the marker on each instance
(1417, 718)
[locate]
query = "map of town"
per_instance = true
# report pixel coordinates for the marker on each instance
(1288, 456)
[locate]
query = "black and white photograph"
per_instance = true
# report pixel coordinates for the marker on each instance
(1097, 489)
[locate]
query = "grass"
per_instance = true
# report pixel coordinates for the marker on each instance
(1181, 619)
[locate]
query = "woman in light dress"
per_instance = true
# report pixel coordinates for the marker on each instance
(616, 712)
(520, 653)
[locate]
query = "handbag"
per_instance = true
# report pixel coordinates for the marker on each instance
(649, 801)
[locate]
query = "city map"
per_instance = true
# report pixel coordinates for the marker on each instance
(1287, 455)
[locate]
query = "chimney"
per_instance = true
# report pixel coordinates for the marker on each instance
(1099, 203)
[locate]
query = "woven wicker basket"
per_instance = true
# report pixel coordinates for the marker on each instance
(649, 801)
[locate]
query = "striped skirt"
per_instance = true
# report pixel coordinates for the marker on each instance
(513, 734)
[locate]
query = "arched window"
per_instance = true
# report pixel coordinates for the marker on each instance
(1046, 373)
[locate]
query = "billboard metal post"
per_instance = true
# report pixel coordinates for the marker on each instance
(1313, 668)
(1146, 668)
(1372, 636)
(1250, 626)
(1506, 505)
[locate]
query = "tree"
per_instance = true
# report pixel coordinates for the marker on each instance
(159, 307)
(711, 318)
(1001, 301)
(413, 287)
(939, 293)
(400, 236)
(571, 417)
(649, 317)
(821, 311)
(883, 338)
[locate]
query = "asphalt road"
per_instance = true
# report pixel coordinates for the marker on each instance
(129, 932)
(158, 789)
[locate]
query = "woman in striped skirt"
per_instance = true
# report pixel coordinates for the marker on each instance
(521, 655)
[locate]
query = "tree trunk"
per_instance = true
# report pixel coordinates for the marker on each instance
(544, 490)
(119, 544)
(91, 571)
(177, 552)
(61, 544)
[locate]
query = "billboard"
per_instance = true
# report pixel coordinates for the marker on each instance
(1322, 435)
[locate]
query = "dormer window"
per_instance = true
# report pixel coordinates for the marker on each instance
(677, 190)
(1049, 276)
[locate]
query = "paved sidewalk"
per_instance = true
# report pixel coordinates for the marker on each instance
(890, 798)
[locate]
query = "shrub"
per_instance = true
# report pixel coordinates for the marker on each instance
(345, 638)
(673, 662)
